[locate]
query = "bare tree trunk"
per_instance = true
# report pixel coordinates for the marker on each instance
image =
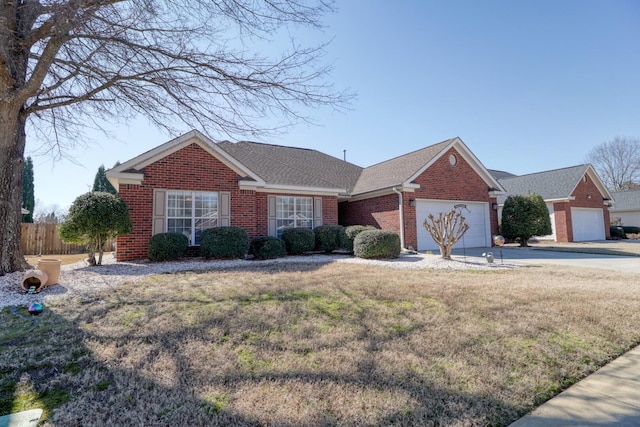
(12, 144)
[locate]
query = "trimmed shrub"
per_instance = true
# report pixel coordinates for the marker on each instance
(166, 246)
(224, 242)
(617, 231)
(376, 244)
(349, 233)
(628, 229)
(328, 237)
(268, 247)
(298, 240)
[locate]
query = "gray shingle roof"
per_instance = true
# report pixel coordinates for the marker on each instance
(293, 166)
(553, 184)
(501, 174)
(397, 170)
(626, 201)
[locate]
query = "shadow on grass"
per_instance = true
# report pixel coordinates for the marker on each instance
(113, 361)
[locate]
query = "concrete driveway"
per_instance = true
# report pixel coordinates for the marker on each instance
(545, 254)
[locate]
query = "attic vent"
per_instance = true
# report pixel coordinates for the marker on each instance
(584, 178)
(246, 192)
(453, 160)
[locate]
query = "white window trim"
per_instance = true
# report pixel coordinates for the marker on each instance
(192, 237)
(295, 208)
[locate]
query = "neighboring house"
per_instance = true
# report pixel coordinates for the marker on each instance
(577, 200)
(626, 209)
(192, 183)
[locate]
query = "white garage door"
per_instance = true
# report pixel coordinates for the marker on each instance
(588, 224)
(476, 215)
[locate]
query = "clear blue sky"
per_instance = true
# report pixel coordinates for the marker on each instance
(528, 86)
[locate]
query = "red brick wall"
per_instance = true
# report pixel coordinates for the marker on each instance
(564, 226)
(193, 169)
(441, 181)
(587, 195)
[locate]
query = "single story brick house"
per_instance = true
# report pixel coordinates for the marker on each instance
(626, 210)
(192, 183)
(577, 200)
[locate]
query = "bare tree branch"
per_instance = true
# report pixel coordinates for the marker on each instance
(68, 66)
(617, 162)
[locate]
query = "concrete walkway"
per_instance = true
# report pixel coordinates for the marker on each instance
(610, 396)
(533, 256)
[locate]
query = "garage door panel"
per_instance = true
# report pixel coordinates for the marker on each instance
(476, 214)
(588, 224)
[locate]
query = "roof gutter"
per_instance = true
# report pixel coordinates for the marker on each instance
(401, 211)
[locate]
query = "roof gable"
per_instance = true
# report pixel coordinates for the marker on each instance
(403, 170)
(556, 184)
(131, 171)
(261, 165)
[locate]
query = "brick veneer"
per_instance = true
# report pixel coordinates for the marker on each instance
(193, 169)
(441, 181)
(586, 195)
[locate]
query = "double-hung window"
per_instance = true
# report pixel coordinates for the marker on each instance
(191, 212)
(293, 212)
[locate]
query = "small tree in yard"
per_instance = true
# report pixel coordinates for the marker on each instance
(93, 219)
(524, 217)
(446, 230)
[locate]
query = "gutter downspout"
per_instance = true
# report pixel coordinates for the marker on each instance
(400, 203)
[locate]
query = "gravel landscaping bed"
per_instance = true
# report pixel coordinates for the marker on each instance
(79, 279)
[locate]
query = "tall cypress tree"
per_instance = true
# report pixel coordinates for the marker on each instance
(28, 190)
(101, 183)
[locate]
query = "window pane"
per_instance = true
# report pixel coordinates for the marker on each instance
(190, 213)
(179, 204)
(182, 226)
(293, 212)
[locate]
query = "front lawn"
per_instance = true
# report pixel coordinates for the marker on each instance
(335, 344)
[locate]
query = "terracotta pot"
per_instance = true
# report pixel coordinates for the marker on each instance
(34, 279)
(51, 266)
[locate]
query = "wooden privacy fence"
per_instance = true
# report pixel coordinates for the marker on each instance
(43, 239)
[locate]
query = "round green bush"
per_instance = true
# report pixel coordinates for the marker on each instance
(617, 231)
(224, 242)
(349, 234)
(629, 229)
(298, 240)
(328, 237)
(376, 244)
(166, 246)
(268, 247)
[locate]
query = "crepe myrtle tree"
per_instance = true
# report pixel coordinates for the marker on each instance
(446, 230)
(69, 66)
(525, 216)
(94, 218)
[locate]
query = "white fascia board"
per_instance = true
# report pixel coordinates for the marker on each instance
(382, 192)
(116, 178)
(470, 158)
(180, 142)
(599, 184)
(279, 188)
(561, 199)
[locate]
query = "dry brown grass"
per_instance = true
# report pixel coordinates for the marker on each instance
(66, 259)
(320, 345)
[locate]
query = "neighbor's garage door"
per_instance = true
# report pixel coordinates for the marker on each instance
(588, 224)
(477, 216)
